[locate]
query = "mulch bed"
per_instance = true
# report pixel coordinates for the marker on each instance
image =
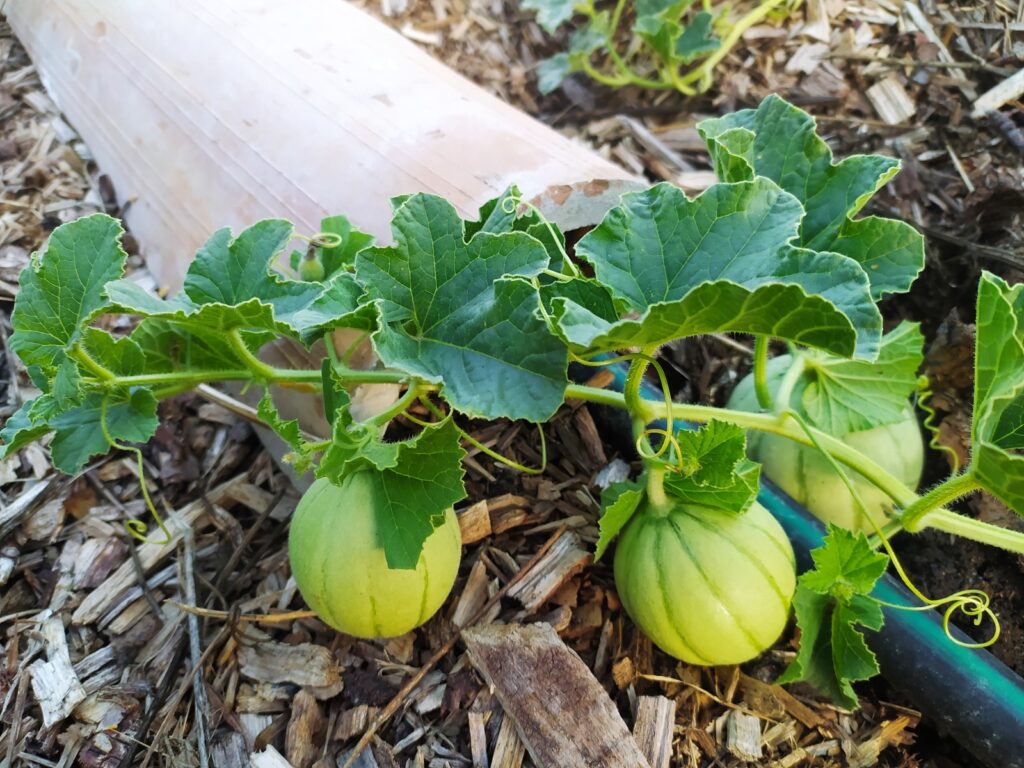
(84, 605)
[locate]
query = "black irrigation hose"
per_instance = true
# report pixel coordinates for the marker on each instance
(971, 695)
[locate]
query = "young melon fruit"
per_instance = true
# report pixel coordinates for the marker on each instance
(341, 570)
(803, 473)
(707, 586)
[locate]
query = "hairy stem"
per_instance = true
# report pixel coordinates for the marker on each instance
(400, 406)
(78, 353)
(975, 530)
(260, 369)
(764, 395)
(919, 514)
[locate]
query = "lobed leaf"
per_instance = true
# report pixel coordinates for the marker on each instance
(997, 431)
(780, 141)
(415, 481)
(831, 602)
(79, 432)
(61, 290)
(720, 262)
(461, 314)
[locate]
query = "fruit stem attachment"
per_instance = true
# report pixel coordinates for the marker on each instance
(920, 513)
(656, 496)
(764, 395)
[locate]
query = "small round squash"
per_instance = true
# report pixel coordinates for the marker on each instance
(341, 570)
(707, 586)
(803, 473)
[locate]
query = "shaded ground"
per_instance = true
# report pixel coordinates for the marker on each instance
(297, 688)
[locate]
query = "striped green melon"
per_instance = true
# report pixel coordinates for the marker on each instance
(803, 473)
(707, 586)
(341, 570)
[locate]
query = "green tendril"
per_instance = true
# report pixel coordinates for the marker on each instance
(973, 603)
(437, 413)
(321, 239)
(135, 527)
(511, 204)
(924, 396)
(667, 433)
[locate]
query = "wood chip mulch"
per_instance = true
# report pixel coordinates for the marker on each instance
(97, 650)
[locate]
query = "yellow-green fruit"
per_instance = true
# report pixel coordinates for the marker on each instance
(707, 586)
(341, 570)
(803, 473)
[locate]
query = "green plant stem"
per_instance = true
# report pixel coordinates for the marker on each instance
(785, 393)
(400, 406)
(941, 519)
(656, 495)
(919, 514)
(78, 353)
(260, 369)
(764, 395)
(755, 16)
(187, 379)
(975, 530)
(625, 71)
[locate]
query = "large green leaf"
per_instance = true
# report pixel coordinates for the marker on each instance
(721, 262)
(460, 313)
(997, 458)
(61, 290)
(779, 141)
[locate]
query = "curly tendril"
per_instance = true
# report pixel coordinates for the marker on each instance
(425, 401)
(136, 527)
(973, 603)
(511, 204)
(924, 395)
(321, 239)
(667, 433)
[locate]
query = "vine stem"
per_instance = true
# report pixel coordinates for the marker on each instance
(764, 395)
(703, 72)
(78, 353)
(273, 375)
(922, 512)
(253, 363)
(931, 517)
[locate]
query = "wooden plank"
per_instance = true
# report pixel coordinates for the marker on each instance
(563, 715)
(654, 728)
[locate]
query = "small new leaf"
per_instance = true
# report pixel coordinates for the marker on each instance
(420, 478)
(716, 472)
(997, 455)
(619, 502)
(831, 602)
